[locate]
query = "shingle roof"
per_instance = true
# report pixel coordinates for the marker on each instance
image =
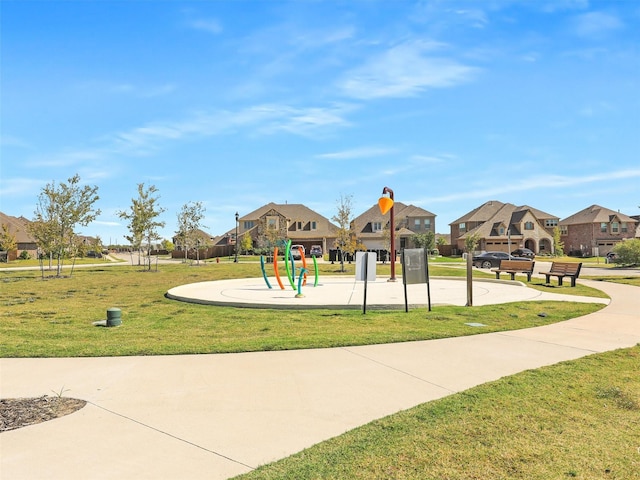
(17, 226)
(595, 214)
(480, 214)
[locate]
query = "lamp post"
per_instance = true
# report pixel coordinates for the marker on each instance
(237, 217)
(386, 205)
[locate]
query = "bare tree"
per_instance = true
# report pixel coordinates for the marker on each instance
(189, 224)
(142, 216)
(60, 209)
(346, 239)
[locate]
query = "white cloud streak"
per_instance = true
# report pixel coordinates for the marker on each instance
(404, 71)
(536, 183)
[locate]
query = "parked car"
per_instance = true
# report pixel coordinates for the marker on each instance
(611, 257)
(93, 254)
(297, 251)
(492, 259)
(523, 252)
(316, 251)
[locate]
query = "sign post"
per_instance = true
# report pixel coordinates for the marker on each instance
(415, 269)
(365, 271)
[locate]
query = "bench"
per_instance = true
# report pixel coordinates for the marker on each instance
(563, 269)
(515, 266)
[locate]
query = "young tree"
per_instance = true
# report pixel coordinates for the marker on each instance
(425, 240)
(558, 244)
(247, 243)
(142, 217)
(346, 239)
(189, 224)
(60, 209)
(167, 245)
(7, 240)
(471, 242)
(628, 252)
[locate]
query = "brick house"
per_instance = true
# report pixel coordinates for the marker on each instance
(595, 230)
(18, 226)
(504, 226)
(294, 222)
(408, 220)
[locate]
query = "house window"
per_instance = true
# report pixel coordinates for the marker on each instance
(528, 225)
(623, 227)
(603, 227)
(416, 224)
(551, 222)
(248, 224)
(564, 230)
(376, 226)
(462, 227)
(501, 230)
(614, 227)
(298, 225)
(314, 226)
(427, 224)
(272, 223)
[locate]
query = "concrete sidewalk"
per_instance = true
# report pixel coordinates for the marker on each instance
(216, 416)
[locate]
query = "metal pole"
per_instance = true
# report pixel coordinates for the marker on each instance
(392, 230)
(237, 217)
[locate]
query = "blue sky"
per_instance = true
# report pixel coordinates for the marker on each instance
(239, 103)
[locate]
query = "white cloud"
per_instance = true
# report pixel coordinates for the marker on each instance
(537, 183)
(363, 152)
(404, 71)
(20, 186)
(596, 24)
(208, 25)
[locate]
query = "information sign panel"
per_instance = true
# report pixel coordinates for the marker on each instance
(365, 266)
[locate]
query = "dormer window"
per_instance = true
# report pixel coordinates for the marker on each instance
(376, 226)
(528, 225)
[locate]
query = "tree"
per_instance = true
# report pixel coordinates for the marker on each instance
(8, 240)
(425, 240)
(142, 217)
(60, 209)
(189, 226)
(471, 242)
(246, 244)
(346, 238)
(558, 244)
(628, 252)
(167, 245)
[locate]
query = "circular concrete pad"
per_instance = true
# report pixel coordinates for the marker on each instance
(346, 293)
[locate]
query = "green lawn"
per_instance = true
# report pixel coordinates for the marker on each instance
(54, 317)
(577, 419)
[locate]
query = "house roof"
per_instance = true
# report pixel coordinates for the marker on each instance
(509, 216)
(401, 211)
(17, 226)
(480, 214)
(596, 214)
(294, 212)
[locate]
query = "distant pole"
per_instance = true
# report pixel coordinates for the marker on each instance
(469, 279)
(392, 229)
(237, 217)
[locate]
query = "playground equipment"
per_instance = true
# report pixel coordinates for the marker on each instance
(290, 267)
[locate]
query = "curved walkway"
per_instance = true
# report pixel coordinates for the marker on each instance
(216, 416)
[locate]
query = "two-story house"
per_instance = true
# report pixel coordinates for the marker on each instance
(595, 230)
(409, 220)
(504, 227)
(274, 223)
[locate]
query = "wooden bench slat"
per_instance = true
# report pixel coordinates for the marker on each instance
(514, 266)
(564, 269)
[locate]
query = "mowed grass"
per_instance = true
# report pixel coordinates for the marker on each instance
(577, 419)
(54, 317)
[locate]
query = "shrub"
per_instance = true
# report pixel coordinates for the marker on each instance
(628, 252)
(24, 255)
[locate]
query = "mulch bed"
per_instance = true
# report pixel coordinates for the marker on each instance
(22, 412)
